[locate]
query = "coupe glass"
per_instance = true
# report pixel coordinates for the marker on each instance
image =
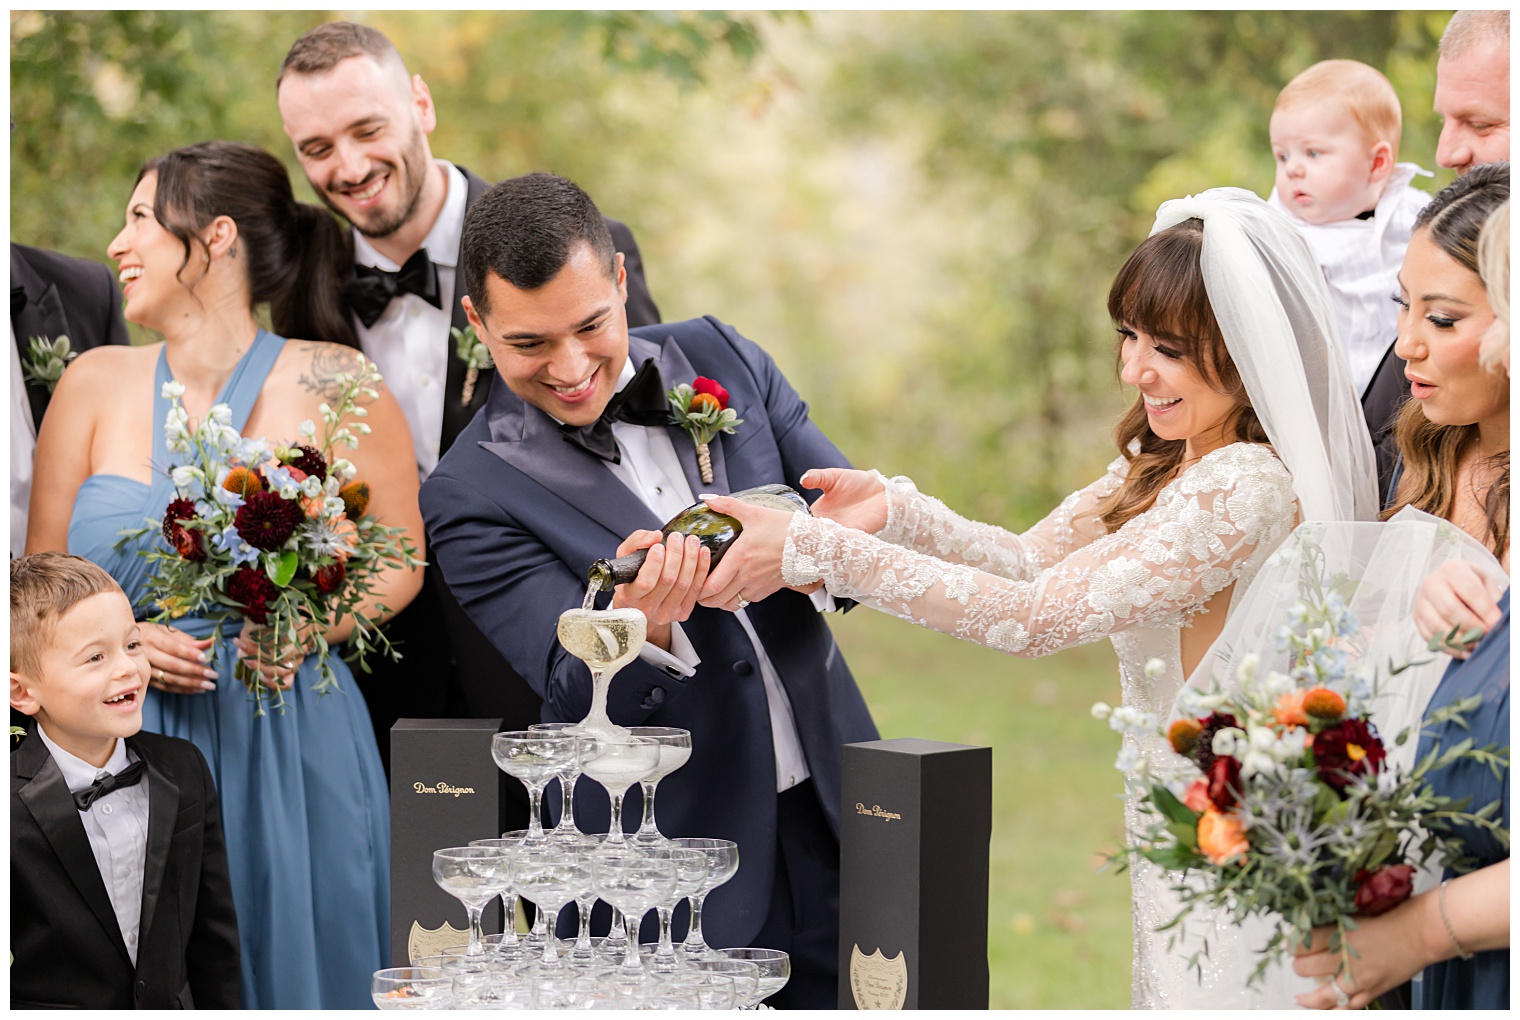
(583, 956)
(491, 988)
(508, 946)
(473, 875)
(722, 865)
(675, 749)
(714, 990)
(551, 879)
(745, 976)
(691, 876)
(633, 885)
(775, 969)
(566, 834)
(533, 757)
(606, 640)
(617, 765)
(411, 988)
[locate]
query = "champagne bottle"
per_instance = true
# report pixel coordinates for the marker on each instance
(716, 531)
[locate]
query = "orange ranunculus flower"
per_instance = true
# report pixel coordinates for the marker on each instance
(1220, 837)
(1197, 796)
(1290, 709)
(1324, 704)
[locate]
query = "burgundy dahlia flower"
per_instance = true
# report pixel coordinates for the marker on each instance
(266, 521)
(1346, 750)
(252, 589)
(188, 542)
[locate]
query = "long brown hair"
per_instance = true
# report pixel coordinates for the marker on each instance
(1160, 291)
(1454, 221)
(292, 250)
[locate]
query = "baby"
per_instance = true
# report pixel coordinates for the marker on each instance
(1335, 136)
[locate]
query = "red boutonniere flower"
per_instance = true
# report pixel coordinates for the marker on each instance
(701, 408)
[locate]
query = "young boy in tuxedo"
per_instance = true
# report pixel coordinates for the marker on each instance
(119, 889)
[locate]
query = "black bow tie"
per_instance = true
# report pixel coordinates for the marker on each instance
(370, 292)
(641, 402)
(129, 776)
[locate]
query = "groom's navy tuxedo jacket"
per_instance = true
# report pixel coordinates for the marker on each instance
(516, 514)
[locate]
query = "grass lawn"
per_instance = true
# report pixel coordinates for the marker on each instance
(1059, 928)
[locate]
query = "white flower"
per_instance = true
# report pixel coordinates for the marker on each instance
(290, 491)
(1228, 740)
(325, 409)
(1265, 752)
(187, 476)
(1100, 710)
(311, 487)
(220, 413)
(173, 390)
(343, 468)
(372, 394)
(1129, 757)
(352, 442)
(1247, 669)
(307, 428)
(360, 412)
(1276, 685)
(1154, 668)
(332, 505)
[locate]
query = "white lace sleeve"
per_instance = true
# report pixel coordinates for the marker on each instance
(917, 521)
(1219, 518)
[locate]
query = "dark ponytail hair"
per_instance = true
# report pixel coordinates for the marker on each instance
(292, 251)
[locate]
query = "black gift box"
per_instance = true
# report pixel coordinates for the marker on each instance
(445, 791)
(915, 829)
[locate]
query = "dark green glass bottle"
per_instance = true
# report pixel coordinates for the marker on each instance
(716, 531)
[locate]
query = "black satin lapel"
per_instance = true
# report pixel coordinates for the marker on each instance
(47, 798)
(456, 413)
(530, 442)
(163, 809)
(43, 317)
(676, 368)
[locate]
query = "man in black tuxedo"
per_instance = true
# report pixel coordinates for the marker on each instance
(52, 295)
(359, 124)
(1472, 100)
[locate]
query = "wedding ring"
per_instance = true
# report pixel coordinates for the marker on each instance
(743, 601)
(1342, 1000)
(156, 674)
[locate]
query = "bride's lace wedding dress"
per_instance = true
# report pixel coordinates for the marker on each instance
(1067, 582)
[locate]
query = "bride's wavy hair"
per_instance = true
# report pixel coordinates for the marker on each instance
(293, 253)
(1454, 221)
(1160, 291)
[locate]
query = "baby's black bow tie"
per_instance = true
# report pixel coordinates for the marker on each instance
(129, 776)
(641, 402)
(371, 290)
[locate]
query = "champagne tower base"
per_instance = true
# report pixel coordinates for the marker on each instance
(445, 791)
(915, 829)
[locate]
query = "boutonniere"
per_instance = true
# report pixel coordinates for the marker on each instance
(701, 408)
(471, 350)
(46, 359)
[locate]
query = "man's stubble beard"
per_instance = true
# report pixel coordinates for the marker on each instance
(415, 165)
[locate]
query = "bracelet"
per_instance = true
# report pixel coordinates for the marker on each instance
(1441, 899)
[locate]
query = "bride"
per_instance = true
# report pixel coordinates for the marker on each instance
(1246, 422)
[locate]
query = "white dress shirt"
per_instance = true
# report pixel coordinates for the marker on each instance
(652, 471)
(1361, 260)
(410, 342)
(23, 445)
(117, 824)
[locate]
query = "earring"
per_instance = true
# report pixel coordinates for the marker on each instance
(232, 252)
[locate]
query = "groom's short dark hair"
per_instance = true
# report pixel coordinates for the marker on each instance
(523, 230)
(326, 46)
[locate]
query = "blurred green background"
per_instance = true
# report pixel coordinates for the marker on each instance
(917, 214)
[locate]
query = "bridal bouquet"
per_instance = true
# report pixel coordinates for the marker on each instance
(1282, 799)
(275, 535)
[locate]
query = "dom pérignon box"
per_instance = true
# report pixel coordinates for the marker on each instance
(445, 791)
(915, 831)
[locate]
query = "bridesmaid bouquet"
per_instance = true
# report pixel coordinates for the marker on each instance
(275, 535)
(1282, 800)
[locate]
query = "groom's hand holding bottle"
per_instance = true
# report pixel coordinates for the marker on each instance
(668, 584)
(751, 569)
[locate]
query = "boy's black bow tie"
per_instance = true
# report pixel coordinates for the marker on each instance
(129, 776)
(641, 402)
(370, 292)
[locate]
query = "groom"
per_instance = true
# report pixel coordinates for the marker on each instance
(521, 506)
(360, 124)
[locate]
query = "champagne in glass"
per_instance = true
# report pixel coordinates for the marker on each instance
(606, 640)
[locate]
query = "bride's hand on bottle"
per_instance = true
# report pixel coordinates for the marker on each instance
(1457, 595)
(856, 499)
(177, 661)
(751, 568)
(276, 666)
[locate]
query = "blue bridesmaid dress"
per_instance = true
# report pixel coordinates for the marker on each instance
(1483, 981)
(304, 799)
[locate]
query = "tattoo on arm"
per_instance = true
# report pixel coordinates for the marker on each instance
(327, 360)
